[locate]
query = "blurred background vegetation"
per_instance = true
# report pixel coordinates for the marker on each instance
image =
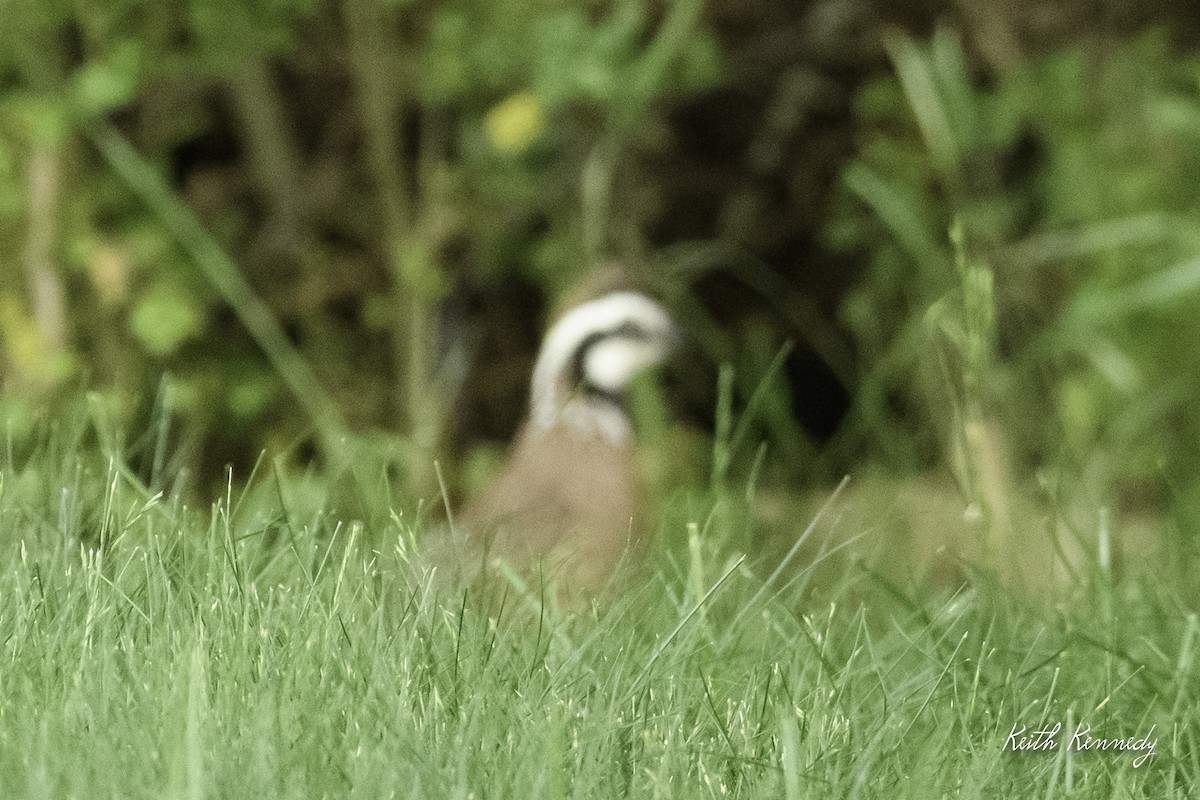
(906, 238)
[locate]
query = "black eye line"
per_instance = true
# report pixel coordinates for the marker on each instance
(627, 329)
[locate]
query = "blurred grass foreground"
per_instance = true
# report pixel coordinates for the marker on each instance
(272, 277)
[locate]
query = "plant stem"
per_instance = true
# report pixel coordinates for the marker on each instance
(228, 280)
(45, 285)
(410, 265)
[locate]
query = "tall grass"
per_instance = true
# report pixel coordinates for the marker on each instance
(270, 645)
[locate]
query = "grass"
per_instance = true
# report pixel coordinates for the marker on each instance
(266, 648)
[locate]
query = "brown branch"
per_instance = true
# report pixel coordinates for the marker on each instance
(47, 296)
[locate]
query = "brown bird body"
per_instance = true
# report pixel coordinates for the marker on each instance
(567, 503)
(564, 509)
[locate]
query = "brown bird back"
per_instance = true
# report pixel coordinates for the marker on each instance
(565, 505)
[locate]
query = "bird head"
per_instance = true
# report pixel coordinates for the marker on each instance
(591, 354)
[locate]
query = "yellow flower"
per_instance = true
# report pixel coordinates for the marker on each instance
(515, 123)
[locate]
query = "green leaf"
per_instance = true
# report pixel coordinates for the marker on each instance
(164, 318)
(100, 86)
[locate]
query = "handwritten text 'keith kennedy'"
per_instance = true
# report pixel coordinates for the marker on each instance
(1023, 740)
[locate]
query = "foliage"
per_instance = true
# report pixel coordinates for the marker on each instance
(239, 225)
(1072, 179)
(326, 235)
(270, 645)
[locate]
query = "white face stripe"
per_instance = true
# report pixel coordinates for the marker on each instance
(619, 364)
